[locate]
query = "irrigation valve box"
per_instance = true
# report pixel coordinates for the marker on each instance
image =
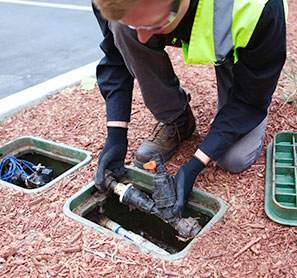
(24, 173)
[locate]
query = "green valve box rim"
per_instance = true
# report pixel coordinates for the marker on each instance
(47, 148)
(205, 202)
(281, 179)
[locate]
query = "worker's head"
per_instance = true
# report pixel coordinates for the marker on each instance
(147, 17)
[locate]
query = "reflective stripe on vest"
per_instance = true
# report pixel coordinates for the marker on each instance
(219, 26)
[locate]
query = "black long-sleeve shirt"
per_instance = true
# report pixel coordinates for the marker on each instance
(255, 78)
(114, 80)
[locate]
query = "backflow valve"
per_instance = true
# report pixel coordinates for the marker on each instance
(162, 204)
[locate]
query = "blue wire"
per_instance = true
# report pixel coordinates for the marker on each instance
(14, 164)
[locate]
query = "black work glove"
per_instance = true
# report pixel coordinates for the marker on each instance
(184, 181)
(113, 155)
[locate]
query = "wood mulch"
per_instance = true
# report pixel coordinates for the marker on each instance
(38, 240)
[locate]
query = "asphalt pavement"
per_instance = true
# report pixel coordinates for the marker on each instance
(44, 39)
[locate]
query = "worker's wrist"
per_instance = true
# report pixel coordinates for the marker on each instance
(200, 155)
(195, 166)
(117, 135)
(117, 124)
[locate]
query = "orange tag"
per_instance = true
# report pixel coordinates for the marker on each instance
(151, 165)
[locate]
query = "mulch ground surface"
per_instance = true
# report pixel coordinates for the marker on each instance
(38, 240)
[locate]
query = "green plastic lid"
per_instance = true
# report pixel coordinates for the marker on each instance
(281, 179)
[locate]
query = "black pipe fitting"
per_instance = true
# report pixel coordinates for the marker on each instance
(138, 199)
(186, 227)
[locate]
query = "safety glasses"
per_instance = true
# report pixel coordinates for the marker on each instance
(168, 21)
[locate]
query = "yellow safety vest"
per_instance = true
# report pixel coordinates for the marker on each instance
(222, 25)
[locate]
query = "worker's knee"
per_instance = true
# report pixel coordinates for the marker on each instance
(234, 165)
(237, 160)
(243, 153)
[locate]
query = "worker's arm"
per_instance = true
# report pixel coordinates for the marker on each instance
(114, 79)
(116, 84)
(255, 78)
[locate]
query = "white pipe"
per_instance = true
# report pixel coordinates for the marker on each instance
(118, 229)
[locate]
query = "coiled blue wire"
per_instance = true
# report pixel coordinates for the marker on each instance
(14, 164)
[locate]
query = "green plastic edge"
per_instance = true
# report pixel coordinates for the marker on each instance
(273, 212)
(83, 154)
(216, 216)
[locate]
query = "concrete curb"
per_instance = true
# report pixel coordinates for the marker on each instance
(27, 98)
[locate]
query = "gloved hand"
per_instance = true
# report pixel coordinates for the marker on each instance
(184, 181)
(113, 155)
